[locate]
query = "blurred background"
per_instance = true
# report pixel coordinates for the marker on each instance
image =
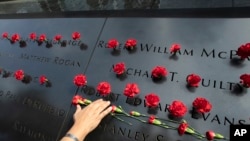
(39, 6)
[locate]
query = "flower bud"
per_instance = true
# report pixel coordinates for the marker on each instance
(134, 113)
(219, 136)
(116, 109)
(86, 101)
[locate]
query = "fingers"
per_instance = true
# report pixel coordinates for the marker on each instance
(99, 105)
(78, 109)
(105, 112)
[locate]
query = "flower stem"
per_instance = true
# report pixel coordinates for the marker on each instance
(124, 114)
(198, 135)
(120, 119)
(171, 127)
(169, 120)
(166, 126)
(196, 132)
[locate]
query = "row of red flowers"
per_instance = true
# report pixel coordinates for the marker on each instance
(159, 72)
(131, 90)
(22, 76)
(243, 51)
(41, 38)
(181, 127)
(131, 43)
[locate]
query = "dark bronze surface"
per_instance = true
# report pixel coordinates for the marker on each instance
(33, 112)
(208, 49)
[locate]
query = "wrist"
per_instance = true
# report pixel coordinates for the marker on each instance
(78, 132)
(72, 137)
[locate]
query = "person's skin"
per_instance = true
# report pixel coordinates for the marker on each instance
(88, 118)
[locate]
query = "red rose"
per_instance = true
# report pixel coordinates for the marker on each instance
(42, 37)
(159, 72)
(19, 74)
(177, 109)
(104, 88)
(76, 99)
(130, 43)
(33, 36)
(113, 43)
(193, 80)
(80, 80)
(119, 68)
(182, 128)
(43, 79)
(174, 48)
(244, 51)
(152, 100)
(58, 37)
(15, 37)
(76, 35)
(5, 35)
(202, 105)
(131, 90)
(245, 80)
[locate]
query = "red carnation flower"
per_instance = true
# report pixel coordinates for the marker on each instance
(177, 109)
(15, 37)
(183, 128)
(174, 48)
(159, 72)
(245, 80)
(104, 88)
(5, 35)
(134, 113)
(42, 38)
(76, 35)
(33, 36)
(193, 80)
(210, 135)
(113, 43)
(19, 74)
(58, 37)
(119, 68)
(152, 100)
(130, 43)
(116, 109)
(153, 120)
(202, 105)
(243, 51)
(77, 99)
(80, 80)
(43, 79)
(131, 90)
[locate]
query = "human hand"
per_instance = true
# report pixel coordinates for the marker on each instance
(88, 118)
